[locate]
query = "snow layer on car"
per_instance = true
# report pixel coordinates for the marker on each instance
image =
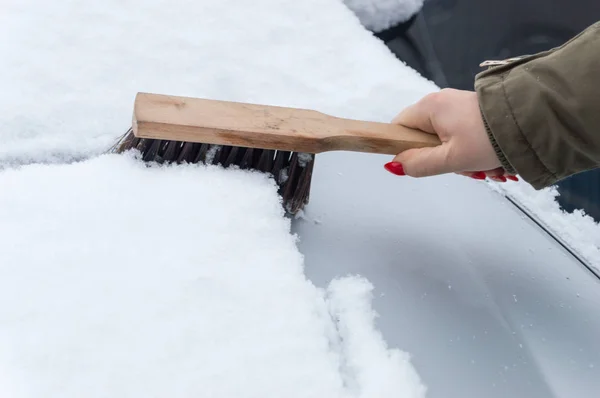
(577, 230)
(70, 72)
(182, 281)
(120, 280)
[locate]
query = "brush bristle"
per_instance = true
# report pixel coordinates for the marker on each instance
(292, 171)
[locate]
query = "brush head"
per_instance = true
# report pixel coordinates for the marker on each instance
(292, 171)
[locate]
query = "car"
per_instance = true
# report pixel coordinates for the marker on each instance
(121, 279)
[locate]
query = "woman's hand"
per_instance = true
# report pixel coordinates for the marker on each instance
(455, 117)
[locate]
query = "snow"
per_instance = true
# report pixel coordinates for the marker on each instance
(349, 300)
(578, 230)
(119, 280)
(378, 15)
(304, 159)
(70, 71)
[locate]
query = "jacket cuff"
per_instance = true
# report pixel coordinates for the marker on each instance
(510, 143)
(499, 154)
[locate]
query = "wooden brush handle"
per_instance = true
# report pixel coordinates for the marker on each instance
(269, 127)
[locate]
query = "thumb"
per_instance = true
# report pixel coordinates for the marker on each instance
(425, 162)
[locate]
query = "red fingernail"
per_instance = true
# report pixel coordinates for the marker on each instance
(513, 178)
(480, 175)
(499, 178)
(395, 168)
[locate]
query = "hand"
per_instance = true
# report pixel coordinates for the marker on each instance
(455, 117)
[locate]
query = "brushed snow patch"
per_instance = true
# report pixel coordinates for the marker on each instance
(121, 279)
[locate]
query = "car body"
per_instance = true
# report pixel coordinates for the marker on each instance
(485, 301)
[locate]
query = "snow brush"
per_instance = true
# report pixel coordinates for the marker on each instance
(277, 140)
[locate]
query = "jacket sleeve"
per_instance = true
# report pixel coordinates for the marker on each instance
(542, 112)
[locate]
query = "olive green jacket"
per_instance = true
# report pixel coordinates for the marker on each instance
(542, 111)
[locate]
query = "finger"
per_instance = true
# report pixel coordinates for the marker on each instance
(477, 175)
(500, 175)
(418, 115)
(495, 172)
(425, 162)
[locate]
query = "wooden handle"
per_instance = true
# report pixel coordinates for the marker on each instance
(269, 127)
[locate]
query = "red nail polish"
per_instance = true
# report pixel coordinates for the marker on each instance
(395, 168)
(499, 178)
(513, 178)
(480, 175)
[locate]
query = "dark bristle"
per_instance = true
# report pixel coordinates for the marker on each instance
(172, 149)
(265, 163)
(246, 161)
(231, 157)
(201, 155)
(292, 171)
(217, 151)
(151, 154)
(187, 151)
(223, 155)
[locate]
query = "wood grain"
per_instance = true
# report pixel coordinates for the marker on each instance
(199, 120)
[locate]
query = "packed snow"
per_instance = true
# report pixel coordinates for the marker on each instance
(378, 15)
(121, 280)
(70, 71)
